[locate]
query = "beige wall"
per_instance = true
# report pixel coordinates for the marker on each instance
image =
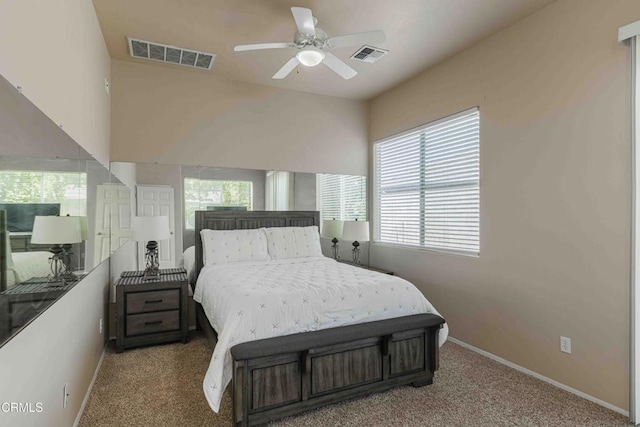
(554, 96)
(192, 118)
(54, 50)
(63, 345)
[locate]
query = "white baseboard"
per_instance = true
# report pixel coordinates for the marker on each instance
(88, 393)
(540, 377)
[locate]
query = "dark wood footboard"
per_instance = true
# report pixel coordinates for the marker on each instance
(282, 376)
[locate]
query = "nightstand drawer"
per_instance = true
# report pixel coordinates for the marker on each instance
(144, 302)
(138, 324)
(22, 312)
(151, 311)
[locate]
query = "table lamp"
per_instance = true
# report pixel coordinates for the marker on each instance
(66, 248)
(60, 232)
(356, 231)
(150, 229)
(332, 229)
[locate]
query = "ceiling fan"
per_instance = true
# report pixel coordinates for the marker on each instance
(313, 45)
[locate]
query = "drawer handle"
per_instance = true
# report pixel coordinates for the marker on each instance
(155, 322)
(155, 301)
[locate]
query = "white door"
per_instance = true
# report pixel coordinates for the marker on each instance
(120, 216)
(101, 249)
(113, 220)
(158, 201)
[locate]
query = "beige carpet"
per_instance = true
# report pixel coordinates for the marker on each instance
(162, 386)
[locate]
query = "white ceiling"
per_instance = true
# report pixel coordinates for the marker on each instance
(420, 33)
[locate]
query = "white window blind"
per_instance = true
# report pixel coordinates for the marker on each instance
(342, 197)
(428, 185)
(278, 191)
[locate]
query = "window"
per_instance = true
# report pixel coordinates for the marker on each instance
(67, 188)
(428, 185)
(342, 197)
(202, 194)
(278, 194)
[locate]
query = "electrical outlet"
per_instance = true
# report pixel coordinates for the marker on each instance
(565, 345)
(101, 325)
(65, 396)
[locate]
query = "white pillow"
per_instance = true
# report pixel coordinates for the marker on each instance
(31, 264)
(223, 246)
(293, 242)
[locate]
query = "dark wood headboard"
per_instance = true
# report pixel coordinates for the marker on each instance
(238, 220)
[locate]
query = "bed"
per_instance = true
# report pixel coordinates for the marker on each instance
(297, 330)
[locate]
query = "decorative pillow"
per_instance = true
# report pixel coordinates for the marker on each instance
(293, 242)
(223, 246)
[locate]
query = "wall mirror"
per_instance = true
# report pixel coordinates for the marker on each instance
(178, 191)
(56, 204)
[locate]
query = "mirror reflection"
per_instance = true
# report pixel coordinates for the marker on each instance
(56, 209)
(178, 191)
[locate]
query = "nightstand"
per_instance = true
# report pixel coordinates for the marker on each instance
(151, 311)
(28, 299)
(369, 267)
(379, 270)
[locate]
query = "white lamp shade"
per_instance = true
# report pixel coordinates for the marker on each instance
(356, 231)
(84, 228)
(56, 230)
(147, 228)
(332, 228)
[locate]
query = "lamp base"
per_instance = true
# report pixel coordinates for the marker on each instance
(152, 272)
(335, 248)
(56, 278)
(66, 260)
(356, 253)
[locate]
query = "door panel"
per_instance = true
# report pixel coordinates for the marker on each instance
(158, 201)
(113, 219)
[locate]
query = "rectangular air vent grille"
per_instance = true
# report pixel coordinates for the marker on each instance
(170, 54)
(369, 54)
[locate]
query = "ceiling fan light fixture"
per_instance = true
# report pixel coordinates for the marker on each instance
(310, 56)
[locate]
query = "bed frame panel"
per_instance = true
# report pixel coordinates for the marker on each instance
(283, 376)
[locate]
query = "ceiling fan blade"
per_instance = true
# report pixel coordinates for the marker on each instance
(356, 39)
(332, 61)
(288, 67)
(304, 20)
(243, 47)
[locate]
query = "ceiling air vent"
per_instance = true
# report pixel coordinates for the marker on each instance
(170, 54)
(369, 54)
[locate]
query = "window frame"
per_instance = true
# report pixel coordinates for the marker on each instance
(375, 191)
(66, 203)
(342, 177)
(184, 195)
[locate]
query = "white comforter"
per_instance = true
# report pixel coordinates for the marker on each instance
(246, 301)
